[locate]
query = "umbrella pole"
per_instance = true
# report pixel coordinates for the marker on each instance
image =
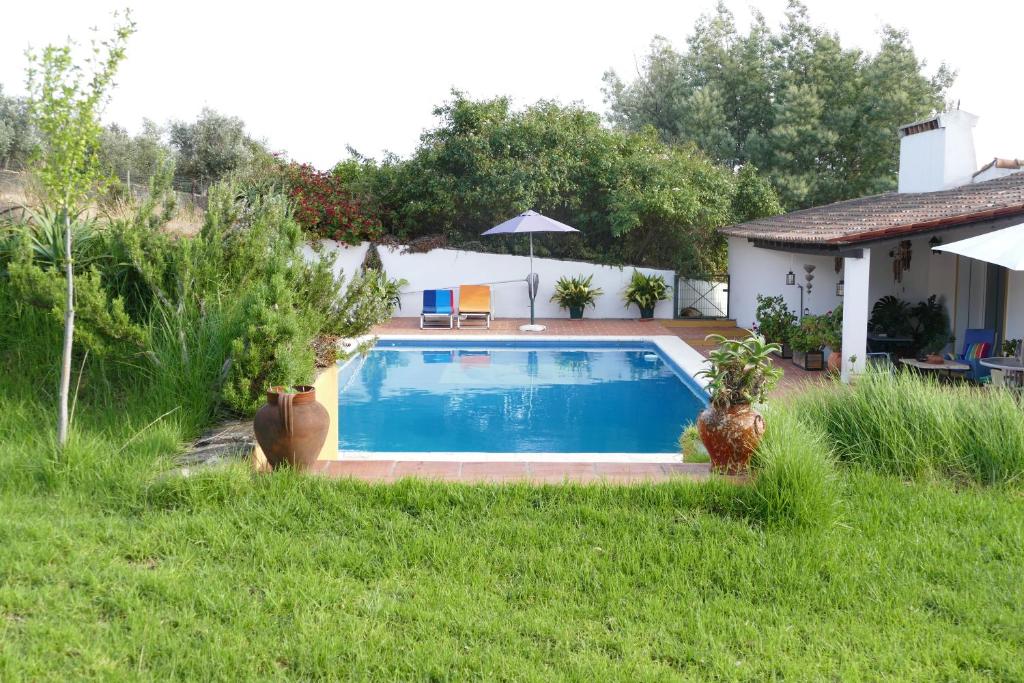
(529, 285)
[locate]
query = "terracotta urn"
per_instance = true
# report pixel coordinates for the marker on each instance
(291, 427)
(730, 436)
(835, 361)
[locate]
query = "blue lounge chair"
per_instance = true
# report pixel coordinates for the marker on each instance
(978, 344)
(438, 308)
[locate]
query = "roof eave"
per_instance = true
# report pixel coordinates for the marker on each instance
(881, 233)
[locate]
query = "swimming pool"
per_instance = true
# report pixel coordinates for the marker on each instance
(414, 396)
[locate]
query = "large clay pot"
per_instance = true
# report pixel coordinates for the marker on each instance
(291, 428)
(835, 361)
(730, 436)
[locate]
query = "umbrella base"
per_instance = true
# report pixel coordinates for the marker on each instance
(532, 328)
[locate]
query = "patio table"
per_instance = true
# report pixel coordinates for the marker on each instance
(1009, 364)
(947, 366)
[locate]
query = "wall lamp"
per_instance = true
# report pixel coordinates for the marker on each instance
(791, 280)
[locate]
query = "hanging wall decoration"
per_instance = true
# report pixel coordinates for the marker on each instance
(808, 276)
(900, 260)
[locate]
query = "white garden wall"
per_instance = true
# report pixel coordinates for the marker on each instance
(449, 268)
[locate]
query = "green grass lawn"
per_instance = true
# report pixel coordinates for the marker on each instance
(108, 571)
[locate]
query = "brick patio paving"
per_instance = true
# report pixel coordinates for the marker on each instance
(691, 332)
(388, 471)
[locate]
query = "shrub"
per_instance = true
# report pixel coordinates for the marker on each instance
(204, 322)
(325, 207)
(912, 426)
(774, 319)
(274, 347)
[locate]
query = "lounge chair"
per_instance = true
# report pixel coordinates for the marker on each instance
(438, 308)
(978, 344)
(475, 304)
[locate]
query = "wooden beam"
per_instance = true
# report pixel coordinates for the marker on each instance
(810, 249)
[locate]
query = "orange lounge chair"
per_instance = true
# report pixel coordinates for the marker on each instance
(475, 304)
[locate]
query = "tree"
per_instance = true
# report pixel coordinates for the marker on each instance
(137, 157)
(65, 100)
(16, 137)
(211, 147)
(634, 198)
(818, 119)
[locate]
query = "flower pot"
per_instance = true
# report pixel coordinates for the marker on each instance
(835, 361)
(575, 312)
(730, 436)
(934, 359)
(787, 351)
(809, 360)
(291, 428)
(647, 313)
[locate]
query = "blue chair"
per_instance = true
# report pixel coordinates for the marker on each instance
(438, 308)
(978, 344)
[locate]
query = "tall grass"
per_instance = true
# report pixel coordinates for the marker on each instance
(912, 426)
(795, 478)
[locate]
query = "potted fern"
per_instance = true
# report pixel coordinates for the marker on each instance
(741, 373)
(576, 293)
(645, 291)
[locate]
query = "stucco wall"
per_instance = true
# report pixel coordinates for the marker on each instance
(449, 268)
(754, 271)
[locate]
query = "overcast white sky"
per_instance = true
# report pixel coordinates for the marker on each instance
(311, 78)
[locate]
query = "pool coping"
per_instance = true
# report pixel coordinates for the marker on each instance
(686, 361)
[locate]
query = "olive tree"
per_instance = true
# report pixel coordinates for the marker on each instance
(65, 100)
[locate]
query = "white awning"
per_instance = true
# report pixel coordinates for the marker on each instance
(1002, 247)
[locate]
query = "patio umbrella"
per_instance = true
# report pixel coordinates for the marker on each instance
(1002, 247)
(530, 222)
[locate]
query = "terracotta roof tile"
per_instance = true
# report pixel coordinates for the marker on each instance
(890, 214)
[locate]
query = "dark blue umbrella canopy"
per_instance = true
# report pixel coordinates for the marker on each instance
(530, 221)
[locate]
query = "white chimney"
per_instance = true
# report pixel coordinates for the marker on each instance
(938, 153)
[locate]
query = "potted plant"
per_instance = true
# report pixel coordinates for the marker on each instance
(775, 322)
(807, 341)
(832, 337)
(645, 291)
(741, 373)
(930, 329)
(575, 293)
(931, 350)
(291, 427)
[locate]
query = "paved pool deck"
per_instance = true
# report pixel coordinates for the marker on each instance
(500, 472)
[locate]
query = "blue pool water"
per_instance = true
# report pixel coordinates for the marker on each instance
(596, 397)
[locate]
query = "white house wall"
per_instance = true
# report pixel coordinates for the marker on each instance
(1015, 305)
(756, 271)
(449, 268)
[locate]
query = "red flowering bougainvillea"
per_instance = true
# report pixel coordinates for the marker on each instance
(326, 208)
